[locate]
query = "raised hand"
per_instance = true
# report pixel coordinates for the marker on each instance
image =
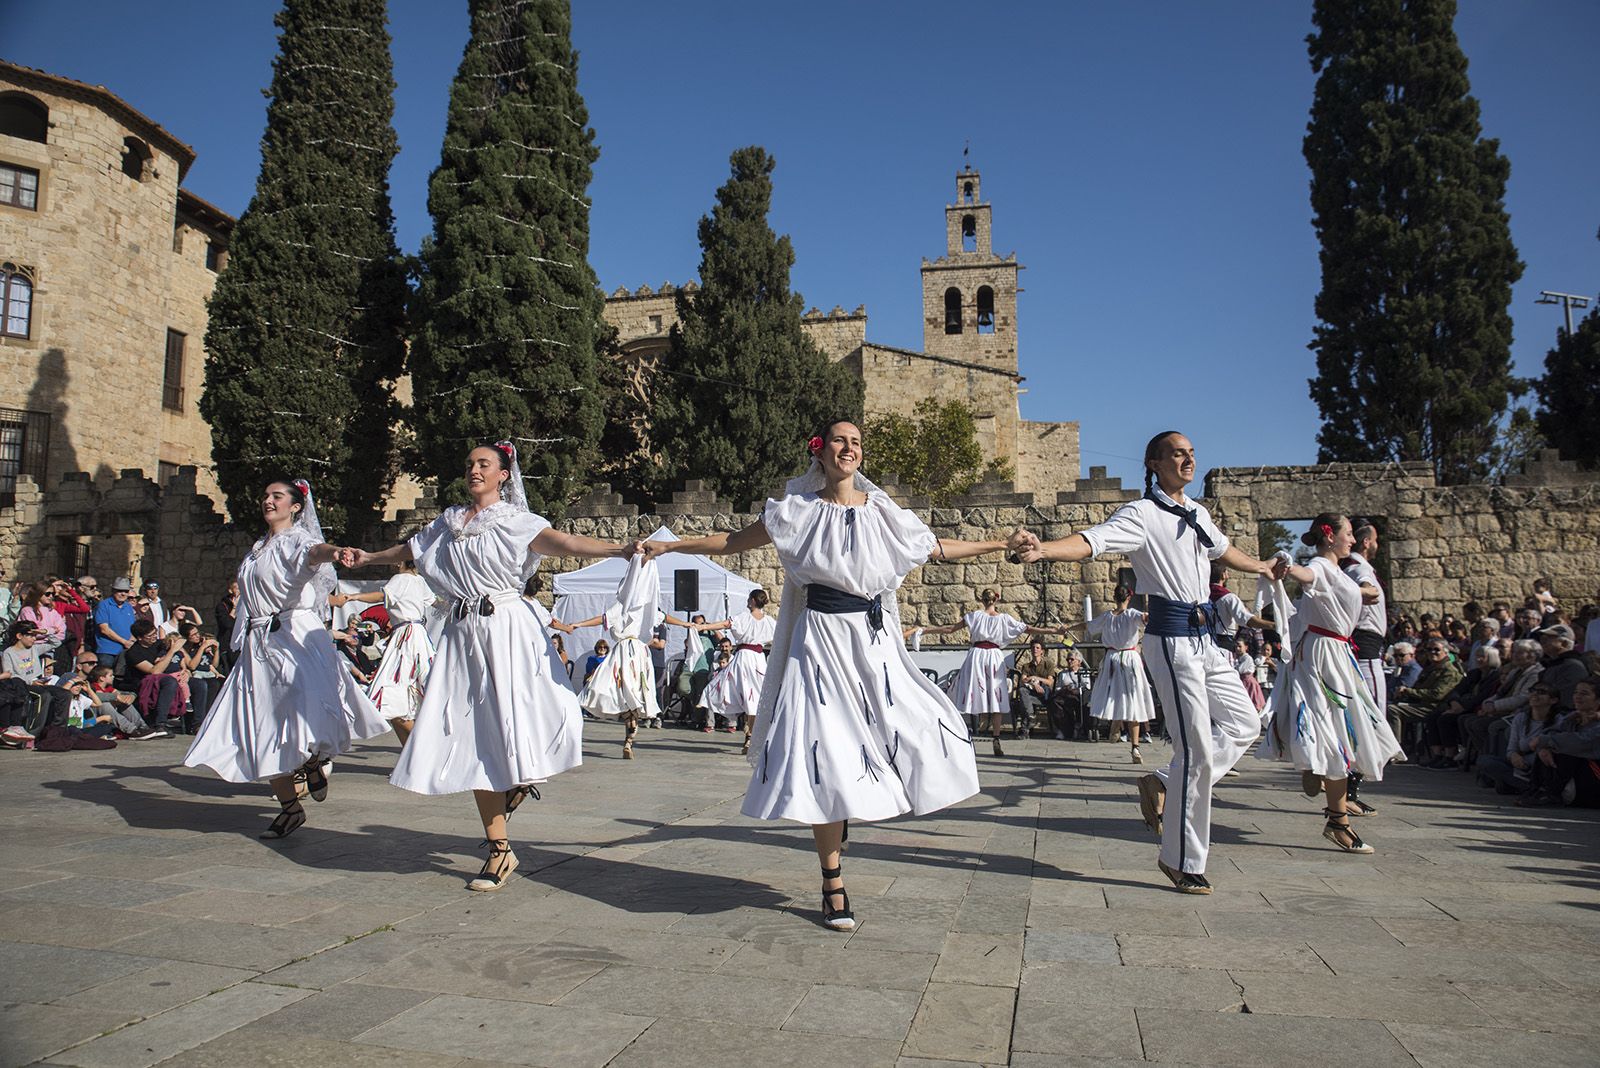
(653, 549)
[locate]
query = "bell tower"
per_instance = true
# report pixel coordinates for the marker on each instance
(969, 295)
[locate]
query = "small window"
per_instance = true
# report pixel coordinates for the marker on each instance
(135, 159)
(985, 310)
(172, 376)
(19, 187)
(655, 324)
(24, 446)
(23, 116)
(216, 256)
(166, 471)
(16, 300)
(969, 233)
(952, 310)
(72, 557)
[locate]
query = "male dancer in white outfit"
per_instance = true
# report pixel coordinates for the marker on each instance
(1371, 626)
(1171, 541)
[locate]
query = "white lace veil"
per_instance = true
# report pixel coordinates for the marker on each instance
(513, 492)
(789, 615)
(325, 580)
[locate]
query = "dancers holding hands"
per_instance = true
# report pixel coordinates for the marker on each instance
(847, 726)
(497, 716)
(1170, 541)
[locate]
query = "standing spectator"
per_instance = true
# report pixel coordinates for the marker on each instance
(1546, 599)
(226, 604)
(114, 617)
(10, 599)
(74, 609)
(1563, 664)
(152, 670)
(39, 608)
(199, 655)
(658, 662)
(23, 661)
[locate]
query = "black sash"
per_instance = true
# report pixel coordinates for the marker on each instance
(826, 599)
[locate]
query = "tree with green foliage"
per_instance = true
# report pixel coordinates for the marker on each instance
(934, 452)
(1272, 536)
(508, 307)
(307, 323)
(1569, 393)
(1414, 340)
(741, 389)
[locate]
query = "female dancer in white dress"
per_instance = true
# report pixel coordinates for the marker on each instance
(402, 675)
(847, 727)
(737, 690)
(1122, 690)
(981, 688)
(496, 716)
(289, 703)
(623, 686)
(1324, 718)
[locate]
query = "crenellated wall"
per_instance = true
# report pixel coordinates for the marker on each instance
(1444, 544)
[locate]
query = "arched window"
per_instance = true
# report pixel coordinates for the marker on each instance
(969, 233)
(985, 310)
(23, 116)
(952, 310)
(135, 159)
(16, 301)
(966, 192)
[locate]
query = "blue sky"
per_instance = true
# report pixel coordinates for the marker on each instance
(1143, 160)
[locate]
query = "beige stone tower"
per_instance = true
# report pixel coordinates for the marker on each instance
(969, 309)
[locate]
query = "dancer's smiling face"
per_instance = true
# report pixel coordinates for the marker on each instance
(841, 449)
(278, 504)
(1343, 540)
(1173, 462)
(487, 471)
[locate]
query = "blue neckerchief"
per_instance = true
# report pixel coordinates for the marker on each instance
(1185, 514)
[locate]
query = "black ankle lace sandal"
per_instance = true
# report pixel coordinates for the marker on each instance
(517, 795)
(497, 869)
(1338, 831)
(1185, 882)
(316, 779)
(291, 819)
(837, 919)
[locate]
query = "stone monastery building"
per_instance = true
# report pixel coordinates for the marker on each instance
(105, 268)
(969, 345)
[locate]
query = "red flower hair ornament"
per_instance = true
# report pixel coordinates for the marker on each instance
(1327, 532)
(814, 445)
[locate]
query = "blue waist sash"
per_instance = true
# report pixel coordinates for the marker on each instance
(826, 599)
(1178, 619)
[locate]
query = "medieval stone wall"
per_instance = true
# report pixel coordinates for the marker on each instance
(1443, 545)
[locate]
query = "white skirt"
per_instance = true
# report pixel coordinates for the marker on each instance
(1122, 691)
(1323, 718)
(289, 697)
(625, 681)
(402, 676)
(858, 732)
(979, 688)
(497, 712)
(736, 688)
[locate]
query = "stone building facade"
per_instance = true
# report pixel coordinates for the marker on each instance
(1442, 545)
(106, 265)
(969, 345)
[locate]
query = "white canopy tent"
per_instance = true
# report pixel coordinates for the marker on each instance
(589, 591)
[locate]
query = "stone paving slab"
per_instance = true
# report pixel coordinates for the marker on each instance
(652, 925)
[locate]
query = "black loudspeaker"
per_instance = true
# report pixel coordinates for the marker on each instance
(686, 590)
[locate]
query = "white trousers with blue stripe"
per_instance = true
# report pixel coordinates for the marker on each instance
(1212, 723)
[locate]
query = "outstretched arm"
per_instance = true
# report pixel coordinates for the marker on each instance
(388, 557)
(1027, 547)
(322, 553)
(955, 549)
(370, 597)
(751, 537)
(1275, 568)
(553, 542)
(570, 627)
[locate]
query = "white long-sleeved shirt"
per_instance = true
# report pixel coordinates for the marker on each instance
(1167, 558)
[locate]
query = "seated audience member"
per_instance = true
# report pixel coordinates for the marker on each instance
(1484, 633)
(1438, 677)
(1068, 704)
(199, 654)
(1563, 664)
(1501, 615)
(1404, 668)
(1036, 675)
(1587, 625)
(153, 673)
(1567, 768)
(73, 604)
(1441, 728)
(39, 608)
(1528, 620)
(118, 709)
(23, 662)
(601, 648)
(1485, 730)
(1511, 771)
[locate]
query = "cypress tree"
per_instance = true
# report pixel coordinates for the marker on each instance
(307, 323)
(1569, 393)
(1414, 339)
(741, 388)
(509, 308)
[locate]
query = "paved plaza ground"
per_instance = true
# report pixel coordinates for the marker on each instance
(652, 925)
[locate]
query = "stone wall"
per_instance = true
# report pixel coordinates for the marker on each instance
(1443, 545)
